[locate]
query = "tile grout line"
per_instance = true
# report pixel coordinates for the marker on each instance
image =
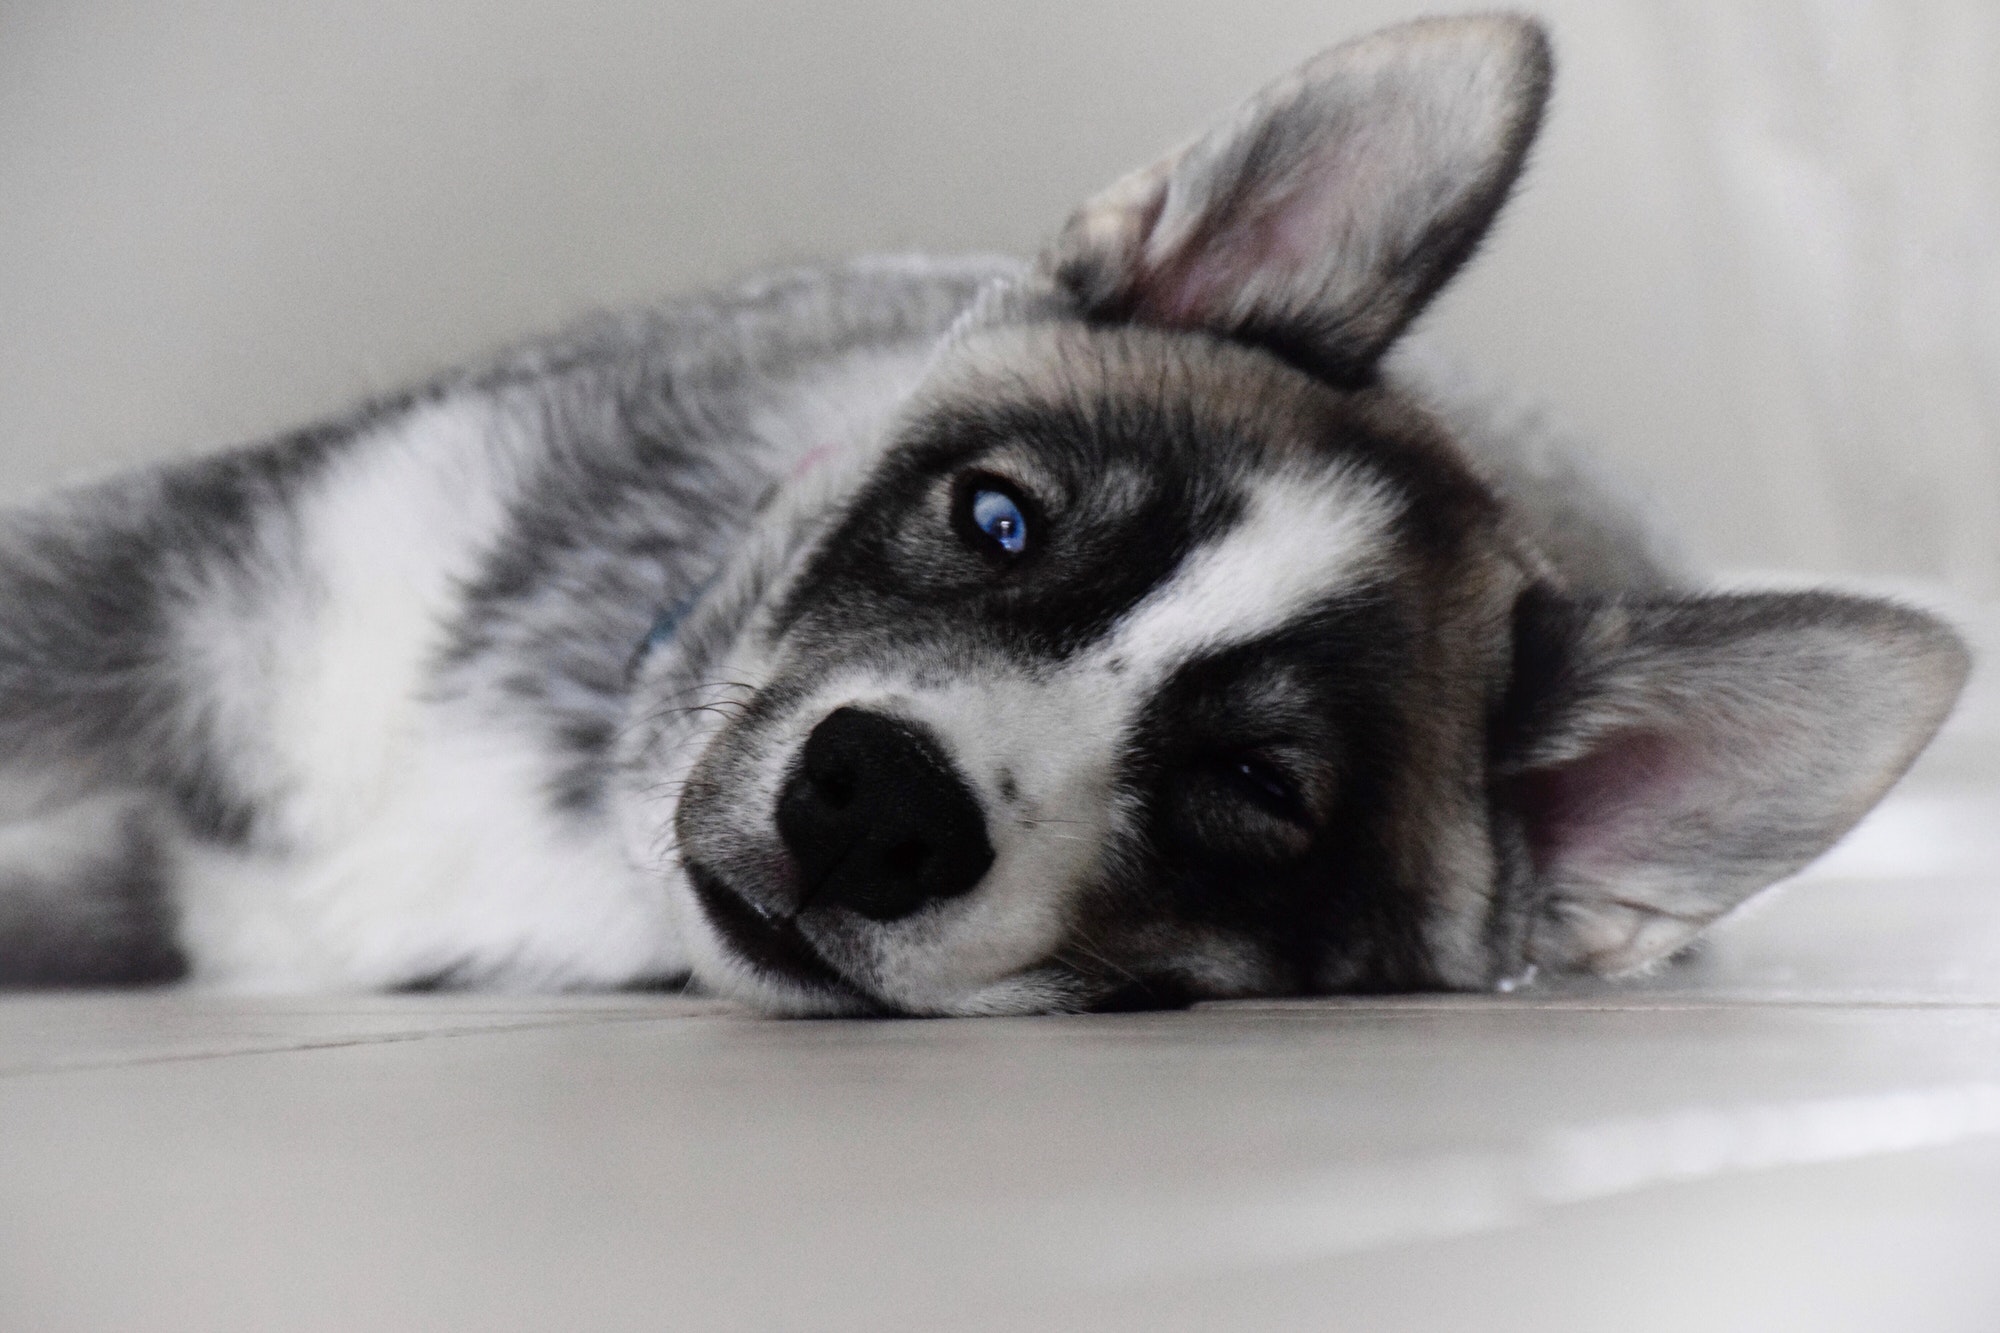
(33, 1070)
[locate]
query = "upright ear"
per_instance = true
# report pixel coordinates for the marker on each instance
(1322, 216)
(1668, 759)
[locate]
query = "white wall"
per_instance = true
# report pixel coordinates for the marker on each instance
(1756, 263)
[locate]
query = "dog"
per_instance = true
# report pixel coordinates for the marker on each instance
(1122, 628)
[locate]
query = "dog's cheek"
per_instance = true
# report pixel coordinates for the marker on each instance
(1178, 964)
(1140, 946)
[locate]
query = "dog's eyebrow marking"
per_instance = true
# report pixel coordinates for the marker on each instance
(1302, 536)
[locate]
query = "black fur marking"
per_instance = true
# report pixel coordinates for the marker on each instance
(1142, 994)
(670, 983)
(1140, 484)
(456, 977)
(1330, 691)
(1547, 630)
(106, 922)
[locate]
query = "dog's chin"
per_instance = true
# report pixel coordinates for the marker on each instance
(770, 962)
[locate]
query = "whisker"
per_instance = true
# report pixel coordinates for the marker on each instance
(1090, 949)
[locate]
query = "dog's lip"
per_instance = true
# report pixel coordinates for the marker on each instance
(768, 943)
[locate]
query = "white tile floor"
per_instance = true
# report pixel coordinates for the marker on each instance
(1799, 1131)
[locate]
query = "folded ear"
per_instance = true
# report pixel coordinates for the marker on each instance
(1667, 759)
(1321, 217)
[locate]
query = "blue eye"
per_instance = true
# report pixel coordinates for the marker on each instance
(995, 514)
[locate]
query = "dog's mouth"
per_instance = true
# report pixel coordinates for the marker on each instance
(772, 945)
(775, 947)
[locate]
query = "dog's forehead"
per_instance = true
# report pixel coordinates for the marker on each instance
(1301, 541)
(1244, 408)
(1245, 489)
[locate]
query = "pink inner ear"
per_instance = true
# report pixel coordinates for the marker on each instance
(1198, 286)
(1606, 810)
(1267, 240)
(1182, 294)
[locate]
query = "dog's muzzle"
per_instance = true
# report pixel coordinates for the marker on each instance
(879, 820)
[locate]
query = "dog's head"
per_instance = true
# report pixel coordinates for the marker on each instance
(1163, 651)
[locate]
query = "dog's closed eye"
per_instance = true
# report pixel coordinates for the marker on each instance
(1249, 804)
(1263, 784)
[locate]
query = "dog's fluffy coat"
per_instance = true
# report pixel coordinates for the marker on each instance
(515, 680)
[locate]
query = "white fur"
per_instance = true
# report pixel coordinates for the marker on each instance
(461, 865)
(312, 661)
(405, 834)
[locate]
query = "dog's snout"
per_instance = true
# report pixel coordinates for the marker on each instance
(878, 818)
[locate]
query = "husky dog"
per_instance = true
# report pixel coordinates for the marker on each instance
(941, 638)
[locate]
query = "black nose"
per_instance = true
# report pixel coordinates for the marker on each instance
(878, 818)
